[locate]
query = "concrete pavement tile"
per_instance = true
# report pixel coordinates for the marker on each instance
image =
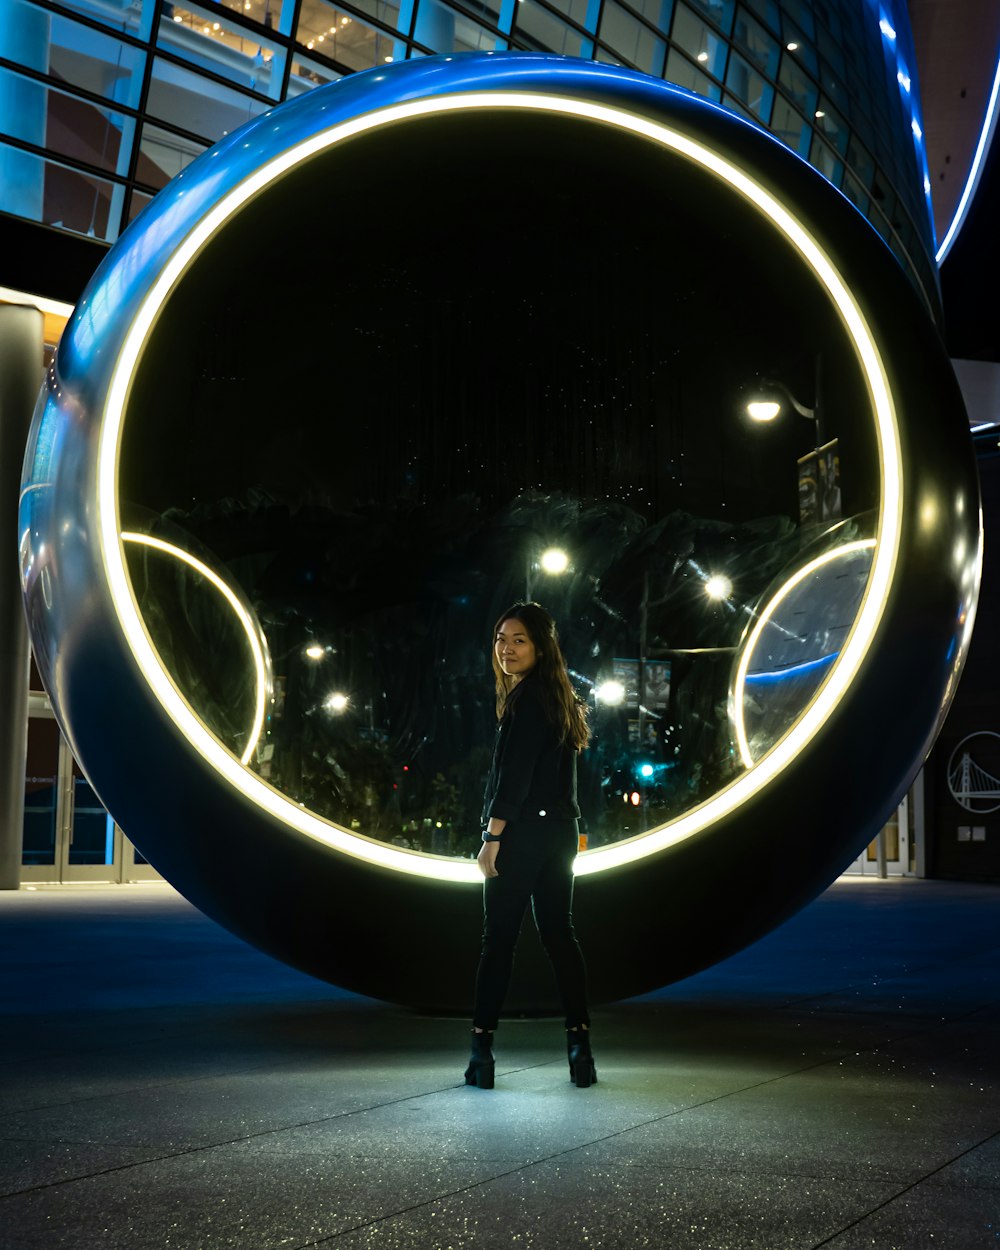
(926, 1217)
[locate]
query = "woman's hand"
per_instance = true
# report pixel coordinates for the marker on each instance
(487, 859)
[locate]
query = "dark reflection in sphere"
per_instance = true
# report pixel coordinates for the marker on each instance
(464, 383)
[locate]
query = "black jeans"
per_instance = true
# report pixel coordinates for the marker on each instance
(535, 863)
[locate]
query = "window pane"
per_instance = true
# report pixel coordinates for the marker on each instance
(189, 102)
(832, 126)
(223, 47)
(720, 11)
(856, 193)
(64, 124)
(791, 127)
(801, 13)
(347, 39)
(539, 29)
(45, 191)
(760, 48)
(826, 161)
(82, 57)
(798, 85)
(749, 87)
(656, 12)
(699, 41)
(798, 45)
(267, 12)
(860, 161)
(162, 155)
(574, 9)
(307, 74)
(632, 39)
(683, 73)
(767, 11)
(138, 203)
(132, 17)
(444, 30)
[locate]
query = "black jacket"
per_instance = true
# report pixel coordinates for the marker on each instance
(533, 774)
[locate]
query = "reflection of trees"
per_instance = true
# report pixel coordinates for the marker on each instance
(407, 594)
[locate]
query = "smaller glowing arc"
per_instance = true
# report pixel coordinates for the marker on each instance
(256, 650)
(781, 594)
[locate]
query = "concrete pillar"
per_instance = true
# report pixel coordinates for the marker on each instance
(21, 331)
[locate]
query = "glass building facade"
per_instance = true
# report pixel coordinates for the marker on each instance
(103, 101)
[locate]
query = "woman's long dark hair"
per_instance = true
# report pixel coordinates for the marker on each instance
(566, 711)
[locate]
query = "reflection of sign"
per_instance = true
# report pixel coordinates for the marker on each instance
(646, 737)
(656, 684)
(973, 772)
(819, 485)
(626, 672)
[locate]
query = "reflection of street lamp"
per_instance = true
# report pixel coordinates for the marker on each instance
(610, 692)
(553, 560)
(336, 702)
(315, 652)
(769, 396)
(718, 587)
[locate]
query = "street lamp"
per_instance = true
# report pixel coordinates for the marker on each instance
(553, 560)
(610, 692)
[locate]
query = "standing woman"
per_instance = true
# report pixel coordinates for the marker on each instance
(530, 834)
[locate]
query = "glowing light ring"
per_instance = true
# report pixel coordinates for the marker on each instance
(242, 615)
(416, 862)
(739, 685)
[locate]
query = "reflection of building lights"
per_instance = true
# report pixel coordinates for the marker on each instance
(336, 702)
(242, 615)
(750, 646)
(763, 409)
(635, 798)
(770, 204)
(315, 652)
(792, 47)
(610, 692)
(718, 587)
(554, 560)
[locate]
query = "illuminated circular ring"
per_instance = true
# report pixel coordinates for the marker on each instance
(254, 636)
(249, 855)
(763, 201)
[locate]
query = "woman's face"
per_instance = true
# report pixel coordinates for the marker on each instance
(514, 649)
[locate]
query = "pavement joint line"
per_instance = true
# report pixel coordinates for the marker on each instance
(559, 1154)
(905, 1190)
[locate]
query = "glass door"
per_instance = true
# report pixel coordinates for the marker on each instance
(68, 835)
(891, 853)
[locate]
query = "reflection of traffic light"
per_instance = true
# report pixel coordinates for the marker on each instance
(636, 800)
(646, 771)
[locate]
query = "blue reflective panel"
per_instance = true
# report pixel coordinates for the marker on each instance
(797, 84)
(196, 104)
(307, 73)
(131, 17)
(760, 48)
(826, 161)
(749, 87)
(162, 155)
(347, 39)
(790, 126)
(542, 31)
(57, 195)
(224, 47)
(65, 124)
(441, 28)
(719, 11)
(73, 54)
(684, 74)
(700, 41)
(636, 42)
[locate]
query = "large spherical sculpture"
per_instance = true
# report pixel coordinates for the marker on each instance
(443, 336)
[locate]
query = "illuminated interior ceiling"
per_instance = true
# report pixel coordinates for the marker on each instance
(758, 199)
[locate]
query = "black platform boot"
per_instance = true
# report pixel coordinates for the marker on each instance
(581, 1062)
(481, 1062)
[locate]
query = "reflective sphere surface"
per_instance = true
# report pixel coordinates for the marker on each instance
(308, 437)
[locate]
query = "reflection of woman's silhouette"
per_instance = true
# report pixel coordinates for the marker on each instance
(530, 837)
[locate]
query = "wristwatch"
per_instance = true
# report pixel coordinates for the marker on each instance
(490, 837)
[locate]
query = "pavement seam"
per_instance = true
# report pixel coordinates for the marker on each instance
(905, 1190)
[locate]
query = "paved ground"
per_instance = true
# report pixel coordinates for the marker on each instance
(164, 1086)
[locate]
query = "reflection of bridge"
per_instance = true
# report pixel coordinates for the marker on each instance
(968, 781)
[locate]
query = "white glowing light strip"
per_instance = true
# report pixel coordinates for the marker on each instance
(978, 161)
(53, 307)
(441, 867)
(739, 685)
(256, 650)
